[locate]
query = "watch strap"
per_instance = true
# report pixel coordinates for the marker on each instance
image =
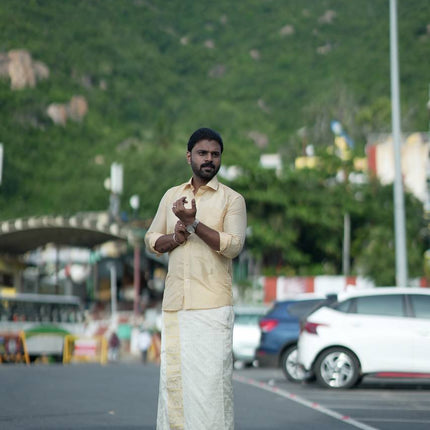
(191, 228)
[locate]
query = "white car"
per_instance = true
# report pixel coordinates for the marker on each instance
(246, 333)
(382, 331)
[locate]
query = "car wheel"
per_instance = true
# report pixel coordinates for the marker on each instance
(293, 371)
(337, 368)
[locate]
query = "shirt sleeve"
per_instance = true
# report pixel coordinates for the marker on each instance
(232, 237)
(158, 226)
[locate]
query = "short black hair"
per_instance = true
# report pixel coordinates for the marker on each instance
(204, 134)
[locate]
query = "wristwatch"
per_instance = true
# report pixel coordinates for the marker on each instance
(191, 228)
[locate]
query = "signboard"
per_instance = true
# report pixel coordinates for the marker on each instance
(13, 348)
(85, 349)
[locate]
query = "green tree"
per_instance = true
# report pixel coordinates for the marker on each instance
(373, 242)
(296, 222)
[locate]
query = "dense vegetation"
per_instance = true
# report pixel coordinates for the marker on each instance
(268, 74)
(297, 223)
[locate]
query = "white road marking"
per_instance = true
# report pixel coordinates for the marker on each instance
(379, 408)
(396, 420)
(295, 398)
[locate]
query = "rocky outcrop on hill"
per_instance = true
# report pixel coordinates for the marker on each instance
(75, 110)
(261, 140)
(21, 69)
(24, 72)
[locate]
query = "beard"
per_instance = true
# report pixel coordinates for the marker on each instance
(205, 171)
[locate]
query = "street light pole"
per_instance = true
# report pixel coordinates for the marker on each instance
(399, 207)
(135, 203)
(113, 292)
(427, 202)
(136, 279)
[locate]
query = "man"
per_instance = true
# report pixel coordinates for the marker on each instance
(202, 225)
(144, 341)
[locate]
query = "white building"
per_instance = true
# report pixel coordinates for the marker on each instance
(415, 162)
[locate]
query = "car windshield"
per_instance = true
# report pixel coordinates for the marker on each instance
(303, 308)
(316, 304)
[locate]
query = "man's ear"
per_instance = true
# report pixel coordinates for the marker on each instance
(188, 157)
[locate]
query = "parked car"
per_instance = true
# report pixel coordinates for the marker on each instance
(279, 333)
(246, 333)
(382, 331)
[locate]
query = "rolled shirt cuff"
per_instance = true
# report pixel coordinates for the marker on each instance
(229, 245)
(150, 240)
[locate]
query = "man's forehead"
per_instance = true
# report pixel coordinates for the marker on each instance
(208, 145)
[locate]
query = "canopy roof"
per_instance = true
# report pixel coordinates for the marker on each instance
(22, 235)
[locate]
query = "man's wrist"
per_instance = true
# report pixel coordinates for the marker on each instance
(191, 228)
(175, 239)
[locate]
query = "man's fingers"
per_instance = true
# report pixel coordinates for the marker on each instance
(181, 202)
(180, 226)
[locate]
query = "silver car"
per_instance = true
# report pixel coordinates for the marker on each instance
(246, 333)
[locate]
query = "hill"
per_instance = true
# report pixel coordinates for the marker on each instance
(151, 72)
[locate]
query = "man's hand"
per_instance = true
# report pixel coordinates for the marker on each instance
(181, 233)
(187, 216)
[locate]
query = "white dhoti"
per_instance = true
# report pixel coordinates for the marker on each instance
(196, 391)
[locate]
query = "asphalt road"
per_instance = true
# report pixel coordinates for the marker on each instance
(124, 397)
(374, 404)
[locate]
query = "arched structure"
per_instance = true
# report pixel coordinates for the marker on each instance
(25, 234)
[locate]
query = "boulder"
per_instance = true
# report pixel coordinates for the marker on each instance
(21, 70)
(77, 108)
(58, 113)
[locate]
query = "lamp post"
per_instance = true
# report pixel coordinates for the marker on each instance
(427, 202)
(343, 142)
(113, 292)
(399, 206)
(135, 203)
(116, 187)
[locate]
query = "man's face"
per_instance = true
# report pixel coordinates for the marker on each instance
(205, 159)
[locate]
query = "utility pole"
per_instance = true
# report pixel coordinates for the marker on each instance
(427, 202)
(399, 206)
(113, 292)
(135, 203)
(116, 187)
(346, 243)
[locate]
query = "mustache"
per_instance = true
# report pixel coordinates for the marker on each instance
(208, 165)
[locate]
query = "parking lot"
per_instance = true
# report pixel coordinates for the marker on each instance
(374, 404)
(124, 396)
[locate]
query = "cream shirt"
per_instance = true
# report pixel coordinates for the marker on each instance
(199, 277)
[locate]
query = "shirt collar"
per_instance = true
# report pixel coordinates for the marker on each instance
(213, 183)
